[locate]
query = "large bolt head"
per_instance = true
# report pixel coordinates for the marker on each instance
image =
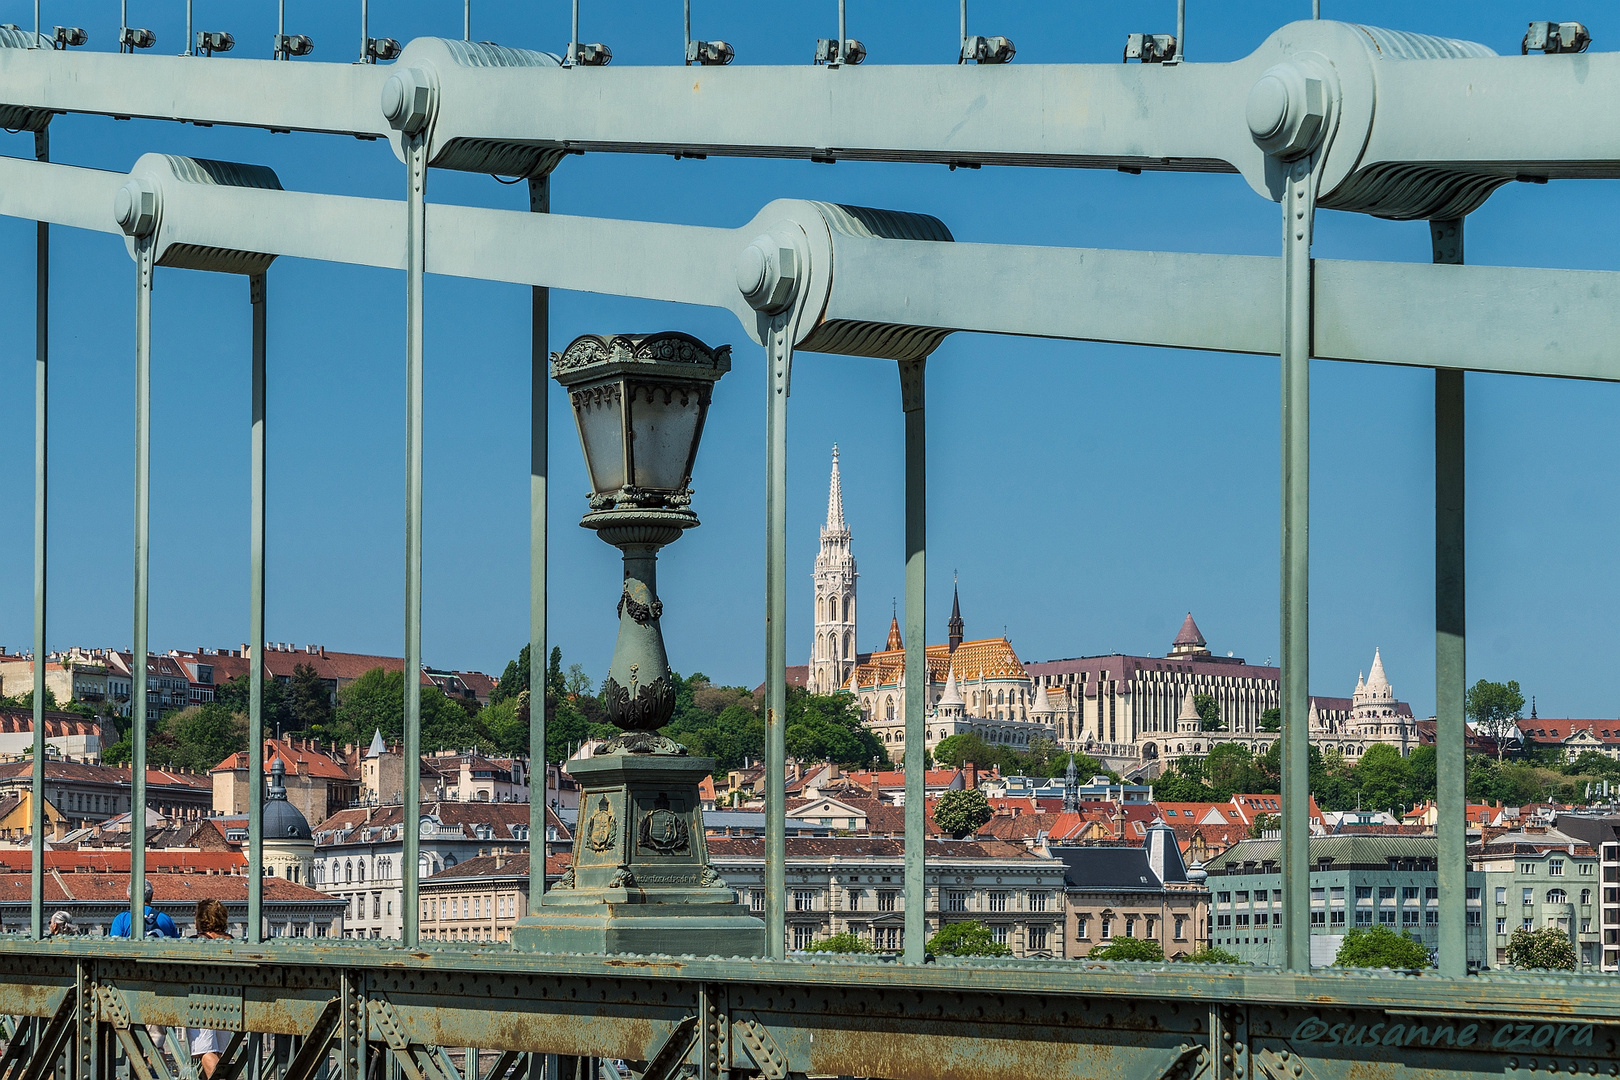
(407, 98)
(1287, 111)
(767, 271)
(135, 207)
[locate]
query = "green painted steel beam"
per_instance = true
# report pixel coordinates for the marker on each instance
(144, 266)
(42, 370)
(539, 451)
(913, 403)
(258, 301)
(415, 271)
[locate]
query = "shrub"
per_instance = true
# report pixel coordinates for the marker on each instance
(1381, 947)
(1212, 955)
(1548, 949)
(1128, 948)
(966, 939)
(845, 942)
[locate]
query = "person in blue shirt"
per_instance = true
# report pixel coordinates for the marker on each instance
(158, 925)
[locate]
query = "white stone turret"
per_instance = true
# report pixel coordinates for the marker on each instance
(951, 706)
(832, 651)
(1188, 722)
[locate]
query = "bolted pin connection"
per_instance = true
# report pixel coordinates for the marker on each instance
(407, 99)
(135, 207)
(767, 272)
(1287, 111)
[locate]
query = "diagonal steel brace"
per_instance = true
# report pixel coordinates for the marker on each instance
(52, 1038)
(414, 1058)
(316, 1044)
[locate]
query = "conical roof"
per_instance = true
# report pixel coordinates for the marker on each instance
(1189, 709)
(378, 748)
(950, 695)
(1189, 634)
(894, 644)
(1376, 679)
(1043, 704)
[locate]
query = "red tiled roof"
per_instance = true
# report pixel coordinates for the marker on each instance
(294, 757)
(1541, 729)
(57, 724)
(483, 866)
(166, 889)
(855, 847)
(117, 861)
(103, 774)
(335, 666)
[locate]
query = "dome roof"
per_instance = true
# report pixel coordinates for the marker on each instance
(282, 821)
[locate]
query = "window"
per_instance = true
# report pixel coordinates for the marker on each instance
(1501, 926)
(804, 900)
(1527, 869)
(756, 899)
(1586, 869)
(1364, 916)
(1557, 896)
(1181, 928)
(1528, 924)
(1319, 917)
(1387, 916)
(1037, 938)
(1586, 896)
(999, 933)
(1223, 898)
(1431, 917)
(1529, 896)
(1223, 922)
(1081, 925)
(1501, 894)
(853, 899)
(1472, 919)
(803, 935)
(1471, 893)
(1260, 919)
(956, 901)
(1336, 916)
(1130, 927)
(1317, 895)
(1336, 894)
(1243, 898)
(1409, 917)
(1037, 901)
(997, 901)
(1409, 893)
(1243, 919)
(1363, 892)
(1107, 928)
(1555, 867)
(885, 899)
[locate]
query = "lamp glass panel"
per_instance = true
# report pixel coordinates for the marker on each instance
(601, 428)
(663, 423)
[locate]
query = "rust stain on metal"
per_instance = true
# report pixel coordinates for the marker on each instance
(915, 1056)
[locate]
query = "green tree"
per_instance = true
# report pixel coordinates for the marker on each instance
(960, 813)
(554, 676)
(26, 701)
(736, 735)
(1380, 947)
(1495, 709)
(1231, 769)
(1183, 781)
(515, 678)
(1212, 955)
(844, 942)
(829, 728)
(376, 702)
(966, 939)
(1209, 713)
(1383, 778)
(1547, 949)
(309, 701)
(1510, 782)
(1270, 720)
(236, 695)
(1128, 948)
(507, 729)
(198, 738)
(1262, 824)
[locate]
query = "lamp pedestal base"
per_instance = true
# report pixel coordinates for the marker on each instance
(640, 880)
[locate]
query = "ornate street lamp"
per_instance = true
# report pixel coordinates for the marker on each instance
(640, 880)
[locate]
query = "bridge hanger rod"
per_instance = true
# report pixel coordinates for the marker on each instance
(1375, 312)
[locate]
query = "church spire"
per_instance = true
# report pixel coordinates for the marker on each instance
(835, 497)
(894, 643)
(954, 627)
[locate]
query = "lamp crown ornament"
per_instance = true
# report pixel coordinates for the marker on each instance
(640, 402)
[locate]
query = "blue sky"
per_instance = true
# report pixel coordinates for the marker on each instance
(1088, 495)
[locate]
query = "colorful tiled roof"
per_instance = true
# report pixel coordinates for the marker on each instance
(993, 658)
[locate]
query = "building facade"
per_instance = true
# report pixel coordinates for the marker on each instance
(1135, 892)
(1538, 876)
(1130, 711)
(856, 885)
(1356, 882)
(89, 794)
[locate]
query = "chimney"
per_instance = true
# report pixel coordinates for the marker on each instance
(970, 775)
(500, 860)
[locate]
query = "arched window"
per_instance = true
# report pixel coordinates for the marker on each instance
(1557, 896)
(846, 609)
(888, 708)
(1586, 896)
(348, 872)
(1001, 697)
(360, 870)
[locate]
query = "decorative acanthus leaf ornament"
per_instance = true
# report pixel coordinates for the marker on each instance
(648, 710)
(642, 613)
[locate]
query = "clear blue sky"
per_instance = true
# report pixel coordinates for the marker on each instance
(1089, 495)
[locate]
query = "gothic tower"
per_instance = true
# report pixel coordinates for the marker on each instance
(832, 654)
(953, 628)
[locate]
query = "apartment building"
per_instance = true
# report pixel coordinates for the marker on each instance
(1539, 876)
(1356, 881)
(856, 885)
(1135, 892)
(1602, 833)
